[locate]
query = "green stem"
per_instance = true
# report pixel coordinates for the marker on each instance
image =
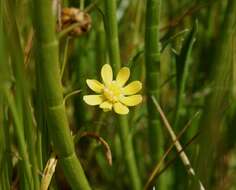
(56, 113)
(22, 92)
(182, 71)
(65, 55)
(100, 45)
(127, 148)
(5, 160)
(112, 34)
(18, 126)
(152, 62)
(114, 55)
(80, 61)
(43, 141)
(81, 4)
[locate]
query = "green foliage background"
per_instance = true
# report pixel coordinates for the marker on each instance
(184, 52)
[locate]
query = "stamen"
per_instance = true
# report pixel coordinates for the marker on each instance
(112, 92)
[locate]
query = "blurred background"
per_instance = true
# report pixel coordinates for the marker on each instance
(196, 91)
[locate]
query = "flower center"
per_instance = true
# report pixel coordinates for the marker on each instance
(112, 92)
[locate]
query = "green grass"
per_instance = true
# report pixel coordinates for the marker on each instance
(183, 53)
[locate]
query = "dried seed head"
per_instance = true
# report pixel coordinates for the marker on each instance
(71, 16)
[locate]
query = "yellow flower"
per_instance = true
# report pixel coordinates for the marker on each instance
(113, 93)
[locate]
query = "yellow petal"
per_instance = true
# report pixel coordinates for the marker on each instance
(123, 76)
(93, 100)
(121, 109)
(106, 106)
(95, 85)
(132, 88)
(107, 74)
(131, 100)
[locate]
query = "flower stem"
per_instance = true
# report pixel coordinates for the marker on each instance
(127, 148)
(114, 56)
(112, 34)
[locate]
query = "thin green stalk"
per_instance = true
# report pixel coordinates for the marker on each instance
(54, 103)
(231, 131)
(22, 92)
(138, 21)
(18, 126)
(234, 66)
(65, 55)
(43, 141)
(112, 34)
(5, 161)
(100, 46)
(152, 63)
(79, 60)
(114, 56)
(182, 72)
(182, 75)
(127, 148)
(81, 4)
